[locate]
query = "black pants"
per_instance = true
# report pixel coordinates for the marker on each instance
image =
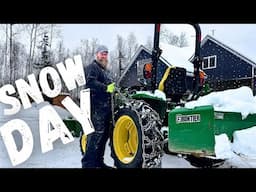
(96, 141)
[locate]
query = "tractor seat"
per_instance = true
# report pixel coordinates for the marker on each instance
(173, 83)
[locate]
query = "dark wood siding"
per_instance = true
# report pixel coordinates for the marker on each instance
(131, 77)
(228, 66)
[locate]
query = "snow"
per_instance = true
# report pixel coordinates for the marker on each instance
(54, 158)
(241, 153)
(177, 56)
(62, 156)
(245, 142)
(222, 147)
(32, 112)
(232, 100)
(157, 93)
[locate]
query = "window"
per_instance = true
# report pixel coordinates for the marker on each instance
(209, 62)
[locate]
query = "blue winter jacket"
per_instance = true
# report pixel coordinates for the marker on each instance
(97, 80)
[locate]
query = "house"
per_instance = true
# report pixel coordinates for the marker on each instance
(133, 73)
(225, 67)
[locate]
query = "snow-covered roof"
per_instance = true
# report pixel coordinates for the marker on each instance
(233, 51)
(177, 56)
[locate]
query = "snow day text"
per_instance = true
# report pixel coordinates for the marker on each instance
(51, 126)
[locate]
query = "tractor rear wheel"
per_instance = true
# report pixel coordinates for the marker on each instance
(136, 140)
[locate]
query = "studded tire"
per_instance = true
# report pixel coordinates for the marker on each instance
(136, 140)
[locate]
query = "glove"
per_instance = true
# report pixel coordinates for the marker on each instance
(111, 88)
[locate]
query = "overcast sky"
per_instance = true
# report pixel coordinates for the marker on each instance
(105, 33)
(240, 37)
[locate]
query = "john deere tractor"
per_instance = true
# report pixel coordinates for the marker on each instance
(150, 121)
(141, 121)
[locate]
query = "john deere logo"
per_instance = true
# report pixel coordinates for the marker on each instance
(194, 118)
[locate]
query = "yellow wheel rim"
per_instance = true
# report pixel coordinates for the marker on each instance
(83, 143)
(125, 139)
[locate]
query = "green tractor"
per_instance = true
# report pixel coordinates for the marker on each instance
(148, 123)
(141, 118)
(140, 122)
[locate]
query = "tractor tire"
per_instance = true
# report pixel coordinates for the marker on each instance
(83, 143)
(136, 140)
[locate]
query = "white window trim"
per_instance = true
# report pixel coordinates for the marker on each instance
(208, 58)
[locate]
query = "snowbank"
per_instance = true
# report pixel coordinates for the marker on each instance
(232, 100)
(157, 93)
(239, 100)
(222, 147)
(245, 142)
(241, 152)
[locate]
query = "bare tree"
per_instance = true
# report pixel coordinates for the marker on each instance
(2, 55)
(19, 56)
(13, 32)
(6, 46)
(132, 45)
(183, 42)
(60, 51)
(54, 33)
(5, 71)
(32, 30)
(166, 35)
(85, 51)
(121, 44)
(5, 57)
(8, 71)
(35, 32)
(115, 59)
(172, 39)
(94, 44)
(149, 43)
(10, 57)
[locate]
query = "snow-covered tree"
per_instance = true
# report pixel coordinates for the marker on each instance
(149, 43)
(132, 45)
(183, 42)
(173, 39)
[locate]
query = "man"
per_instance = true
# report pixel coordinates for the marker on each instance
(101, 88)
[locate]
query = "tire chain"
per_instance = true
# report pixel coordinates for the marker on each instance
(152, 138)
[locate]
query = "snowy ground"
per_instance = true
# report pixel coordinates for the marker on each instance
(239, 154)
(62, 156)
(69, 156)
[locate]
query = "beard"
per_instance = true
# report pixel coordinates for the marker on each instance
(103, 62)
